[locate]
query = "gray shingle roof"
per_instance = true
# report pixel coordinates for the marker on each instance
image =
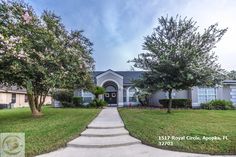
(229, 82)
(128, 76)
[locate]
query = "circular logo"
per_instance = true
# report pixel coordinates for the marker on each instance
(12, 145)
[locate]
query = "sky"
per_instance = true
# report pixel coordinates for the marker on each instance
(117, 27)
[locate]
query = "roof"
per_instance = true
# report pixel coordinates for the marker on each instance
(12, 89)
(229, 82)
(128, 76)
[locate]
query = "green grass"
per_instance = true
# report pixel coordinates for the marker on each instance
(53, 130)
(147, 125)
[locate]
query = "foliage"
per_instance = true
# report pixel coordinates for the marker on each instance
(177, 103)
(97, 90)
(78, 101)
(178, 57)
(143, 97)
(51, 132)
(231, 75)
(39, 54)
(98, 103)
(64, 96)
(218, 105)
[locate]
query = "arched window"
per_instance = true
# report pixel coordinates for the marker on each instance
(132, 97)
(110, 89)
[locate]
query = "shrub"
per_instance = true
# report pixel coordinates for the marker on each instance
(67, 104)
(177, 103)
(218, 105)
(78, 101)
(207, 106)
(64, 96)
(98, 103)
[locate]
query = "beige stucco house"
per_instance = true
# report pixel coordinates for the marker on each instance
(16, 97)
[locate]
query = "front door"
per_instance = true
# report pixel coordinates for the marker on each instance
(111, 98)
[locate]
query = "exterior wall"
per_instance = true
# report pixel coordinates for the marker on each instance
(111, 76)
(194, 96)
(6, 98)
(183, 94)
(233, 94)
(226, 92)
(222, 92)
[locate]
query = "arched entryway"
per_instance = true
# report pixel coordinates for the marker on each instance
(111, 94)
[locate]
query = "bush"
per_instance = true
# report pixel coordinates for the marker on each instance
(67, 104)
(218, 105)
(177, 103)
(65, 97)
(78, 101)
(98, 103)
(207, 106)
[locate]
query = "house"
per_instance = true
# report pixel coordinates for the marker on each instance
(13, 97)
(120, 90)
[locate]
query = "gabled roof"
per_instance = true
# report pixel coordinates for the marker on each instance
(128, 76)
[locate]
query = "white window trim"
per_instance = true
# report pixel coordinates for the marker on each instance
(206, 94)
(127, 95)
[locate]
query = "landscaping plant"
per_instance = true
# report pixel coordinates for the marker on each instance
(38, 53)
(177, 56)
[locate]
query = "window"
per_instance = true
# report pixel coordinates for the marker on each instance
(26, 98)
(206, 94)
(110, 89)
(132, 97)
(13, 98)
(87, 97)
(124, 94)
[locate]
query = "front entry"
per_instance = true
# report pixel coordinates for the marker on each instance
(111, 98)
(111, 93)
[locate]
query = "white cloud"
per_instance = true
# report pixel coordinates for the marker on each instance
(205, 12)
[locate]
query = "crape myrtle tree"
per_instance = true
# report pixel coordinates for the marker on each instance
(39, 54)
(177, 56)
(231, 75)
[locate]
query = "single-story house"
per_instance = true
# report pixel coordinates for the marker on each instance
(120, 90)
(12, 97)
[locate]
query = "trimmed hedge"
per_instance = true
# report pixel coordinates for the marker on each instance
(218, 105)
(177, 103)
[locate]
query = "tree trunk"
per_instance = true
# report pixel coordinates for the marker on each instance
(140, 100)
(147, 100)
(32, 101)
(35, 112)
(170, 101)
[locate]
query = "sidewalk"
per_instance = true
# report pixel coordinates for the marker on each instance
(106, 136)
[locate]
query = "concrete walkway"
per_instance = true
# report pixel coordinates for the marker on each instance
(106, 136)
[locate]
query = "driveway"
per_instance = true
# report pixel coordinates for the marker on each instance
(106, 136)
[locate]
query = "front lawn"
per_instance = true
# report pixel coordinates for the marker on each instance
(150, 125)
(49, 132)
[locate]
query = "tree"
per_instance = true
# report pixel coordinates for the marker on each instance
(231, 75)
(179, 57)
(97, 102)
(39, 54)
(97, 90)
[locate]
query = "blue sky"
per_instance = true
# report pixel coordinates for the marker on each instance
(117, 27)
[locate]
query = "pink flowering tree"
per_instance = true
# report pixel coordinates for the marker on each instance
(39, 54)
